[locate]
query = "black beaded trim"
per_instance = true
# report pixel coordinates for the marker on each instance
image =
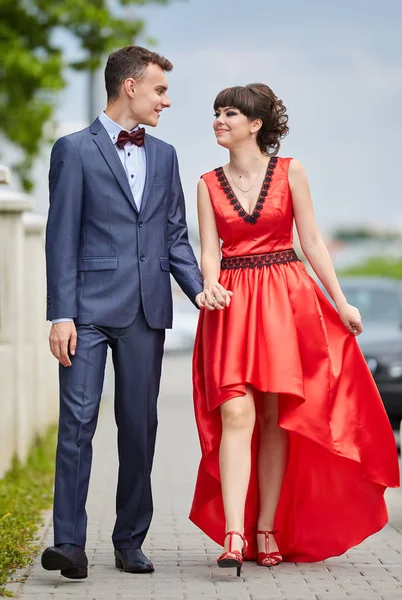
(259, 260)
(253, 218)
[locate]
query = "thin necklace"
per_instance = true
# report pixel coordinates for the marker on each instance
(251, 187)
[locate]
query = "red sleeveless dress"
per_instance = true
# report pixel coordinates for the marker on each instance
(281, 334)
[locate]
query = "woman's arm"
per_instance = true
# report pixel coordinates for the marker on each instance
(215, 295)
(314, 248)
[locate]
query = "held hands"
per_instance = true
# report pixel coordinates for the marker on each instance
(63, 340)
(351, 318)
(214, 297)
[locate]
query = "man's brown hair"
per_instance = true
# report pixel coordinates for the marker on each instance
(130, 61)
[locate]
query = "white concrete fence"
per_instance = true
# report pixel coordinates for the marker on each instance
(28, 372)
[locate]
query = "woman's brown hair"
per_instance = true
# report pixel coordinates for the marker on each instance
(258, 101)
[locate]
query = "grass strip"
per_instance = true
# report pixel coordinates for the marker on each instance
(379, 267)
(25, 491)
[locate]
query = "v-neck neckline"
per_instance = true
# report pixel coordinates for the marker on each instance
(233, 199)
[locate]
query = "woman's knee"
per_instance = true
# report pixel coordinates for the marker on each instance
(267, 413)
(238, 415)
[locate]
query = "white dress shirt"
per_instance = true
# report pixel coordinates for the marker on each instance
(133, 159)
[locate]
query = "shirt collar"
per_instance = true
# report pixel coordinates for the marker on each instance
(113, 129)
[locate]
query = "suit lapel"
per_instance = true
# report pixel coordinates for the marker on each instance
(150, 152)
(105, 145)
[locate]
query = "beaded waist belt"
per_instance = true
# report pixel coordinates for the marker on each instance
(259, 260)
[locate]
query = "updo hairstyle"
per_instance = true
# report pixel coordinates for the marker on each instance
(258, 101)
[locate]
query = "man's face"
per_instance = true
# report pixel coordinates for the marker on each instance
(150, 96)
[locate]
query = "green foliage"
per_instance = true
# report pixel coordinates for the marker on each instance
(31, 64)
(379, 267)
(24, 492)
(30, 73)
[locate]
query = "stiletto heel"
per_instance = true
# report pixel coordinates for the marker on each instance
(233, 558)
(267, 558)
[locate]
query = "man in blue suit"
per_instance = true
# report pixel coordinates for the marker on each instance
(116, 230)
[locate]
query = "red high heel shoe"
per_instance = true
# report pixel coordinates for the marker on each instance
(233, 558)
(267, 558)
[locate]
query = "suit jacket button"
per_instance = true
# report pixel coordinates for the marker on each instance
(140, 224)
(142, 257)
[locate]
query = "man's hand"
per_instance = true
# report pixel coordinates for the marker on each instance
(200, 300)
(63, 340)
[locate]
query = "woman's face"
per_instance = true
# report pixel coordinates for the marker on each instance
(231, 126)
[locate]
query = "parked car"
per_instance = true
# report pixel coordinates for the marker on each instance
(379, 301)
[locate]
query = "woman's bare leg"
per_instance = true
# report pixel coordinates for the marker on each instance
(238, 420)
(272, 460)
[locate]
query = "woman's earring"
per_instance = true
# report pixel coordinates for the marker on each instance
(253, 134)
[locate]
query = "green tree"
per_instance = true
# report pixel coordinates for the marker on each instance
(32, 65)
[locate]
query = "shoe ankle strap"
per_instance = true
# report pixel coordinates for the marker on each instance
(232, 533)
(266, 532)
(241, 535)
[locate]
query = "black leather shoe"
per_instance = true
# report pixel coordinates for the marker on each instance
(70, 559)
(133, 560)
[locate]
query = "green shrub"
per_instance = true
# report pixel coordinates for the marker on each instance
(25, 491)
(380, 267)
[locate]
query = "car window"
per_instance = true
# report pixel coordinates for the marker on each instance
(379, 305)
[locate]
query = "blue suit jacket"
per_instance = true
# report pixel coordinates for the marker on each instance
(103, 256)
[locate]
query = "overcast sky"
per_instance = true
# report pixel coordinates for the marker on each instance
(336, 65)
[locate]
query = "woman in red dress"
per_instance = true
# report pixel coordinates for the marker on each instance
(297, 449)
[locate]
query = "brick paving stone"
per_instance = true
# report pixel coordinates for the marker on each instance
(184, 558)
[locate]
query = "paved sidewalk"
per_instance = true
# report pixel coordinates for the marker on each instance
(185, 558)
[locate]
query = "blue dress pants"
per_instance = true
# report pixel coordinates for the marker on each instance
(137, 352)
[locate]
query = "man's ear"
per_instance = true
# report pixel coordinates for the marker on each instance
(129, 86)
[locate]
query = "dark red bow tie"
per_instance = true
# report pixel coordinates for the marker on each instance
(136, 137)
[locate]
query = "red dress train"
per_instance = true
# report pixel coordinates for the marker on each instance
(281, 334)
